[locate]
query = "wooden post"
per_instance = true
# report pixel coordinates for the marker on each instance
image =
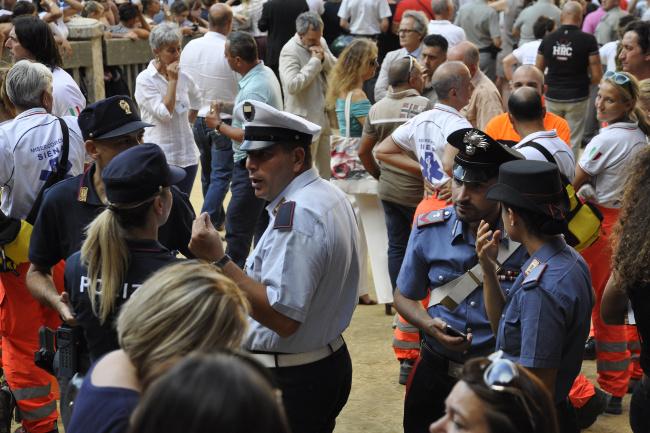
(88, 54)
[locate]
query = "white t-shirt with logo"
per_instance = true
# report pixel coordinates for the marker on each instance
(607, 160)
(364, 15)
(426, 136)
(68, 99)
(30, 148)
(560, 151)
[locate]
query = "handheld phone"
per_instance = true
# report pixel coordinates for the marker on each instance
(449, 330)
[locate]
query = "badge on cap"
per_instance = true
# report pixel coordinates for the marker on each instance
(249, 111)
(125, 106)
(474, 139)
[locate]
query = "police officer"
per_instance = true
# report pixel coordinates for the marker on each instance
(441, 258)
(123, 240)
(302, 278)
(544, 318)
(109, 127)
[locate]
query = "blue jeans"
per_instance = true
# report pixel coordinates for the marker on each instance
(216, 168)
(399, 219)
(186, 184)
(245, 216)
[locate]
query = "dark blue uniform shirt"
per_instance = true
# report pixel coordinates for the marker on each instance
(145, 257)
(546, 317)
(70, 205)
(437, 254)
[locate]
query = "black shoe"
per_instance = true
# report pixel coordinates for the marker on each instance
(633, 385)
(615, 406)
(388, 309)
(7, 405)
(590, 349)
(405, 367)
(596, 405)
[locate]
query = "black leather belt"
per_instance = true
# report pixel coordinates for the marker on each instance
(452, 368)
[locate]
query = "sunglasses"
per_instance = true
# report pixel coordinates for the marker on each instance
(411, 63)
(617, 77)
(500, 375)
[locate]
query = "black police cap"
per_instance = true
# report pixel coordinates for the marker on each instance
(138, 173)
(109, 118)
(479, 155)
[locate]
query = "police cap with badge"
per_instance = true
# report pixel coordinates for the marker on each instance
(479, 155)
(110, 118)
(265, 126)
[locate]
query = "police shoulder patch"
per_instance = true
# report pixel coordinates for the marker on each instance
(433, 217)
(534, 275)
(284, 216)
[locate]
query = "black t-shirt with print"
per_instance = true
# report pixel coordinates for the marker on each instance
(566, 53)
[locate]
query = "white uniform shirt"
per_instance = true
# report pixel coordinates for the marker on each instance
(447, 30)
(426, 135)
(68, 99)
(561, 151)
(311, 272)
(204, 61)
(608, 55)
(172, 131)
(527, 53)
(364, 15)
(607, 160)
(30, 147)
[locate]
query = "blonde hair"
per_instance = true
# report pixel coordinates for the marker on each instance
(349, 68)
(630, 91)
(644, 92)
(185, 307)
(105, 253)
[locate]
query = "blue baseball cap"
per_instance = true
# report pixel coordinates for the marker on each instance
(139, 173)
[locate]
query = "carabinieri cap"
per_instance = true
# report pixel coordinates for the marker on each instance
(265, 126)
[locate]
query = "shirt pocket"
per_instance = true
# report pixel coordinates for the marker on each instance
(511, 332)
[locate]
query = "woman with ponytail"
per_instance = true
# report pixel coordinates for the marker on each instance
(542, 321)
(121, 248)
(600, 178)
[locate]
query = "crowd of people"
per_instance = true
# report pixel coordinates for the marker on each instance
(483, 165)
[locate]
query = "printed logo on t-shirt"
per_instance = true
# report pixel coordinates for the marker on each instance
(431, 169)
(562, 50)
(595, 154)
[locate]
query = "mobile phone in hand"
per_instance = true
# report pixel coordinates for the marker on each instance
(453, 332)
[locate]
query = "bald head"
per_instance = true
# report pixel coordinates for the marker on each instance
(450, 75)
(525, 105)
(220, 18)
(467, 53)
(528, 76)
(571, 13)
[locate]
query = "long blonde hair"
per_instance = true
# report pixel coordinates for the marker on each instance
(184, 307)
(105, 254)
(349, 68)
(630, 92)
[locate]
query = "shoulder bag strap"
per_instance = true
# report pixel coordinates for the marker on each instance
(541, 149)
(348, 103)
(65, 149)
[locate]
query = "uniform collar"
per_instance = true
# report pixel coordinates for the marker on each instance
(86, 190)
(298, 182)
(547, 251)
(145, 245)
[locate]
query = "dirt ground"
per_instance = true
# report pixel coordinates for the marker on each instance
(375, 403)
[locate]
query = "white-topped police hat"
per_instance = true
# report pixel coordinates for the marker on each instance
(265, 126)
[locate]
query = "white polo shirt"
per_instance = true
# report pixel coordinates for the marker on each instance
(364, 15)
(204, 61)
(426, 135)
(68, 99)
(447, 30)
(30, 147)
(607, 160)
(561, 151)
(527, 53)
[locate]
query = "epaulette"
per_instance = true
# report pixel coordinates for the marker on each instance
(284, 216)
(433, 217)
(533, 272)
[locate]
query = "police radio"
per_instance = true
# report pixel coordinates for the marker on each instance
(59, 350)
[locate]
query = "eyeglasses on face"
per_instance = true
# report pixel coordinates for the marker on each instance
(617, 77)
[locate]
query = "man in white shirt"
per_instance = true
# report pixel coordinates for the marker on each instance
(526, 113)
(364, 17)
(203, 59)
(304, 63)
(443, 11)
(426, 134)
(30, 150)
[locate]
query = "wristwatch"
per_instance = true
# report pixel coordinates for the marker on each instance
(217, 128)
(222, 262)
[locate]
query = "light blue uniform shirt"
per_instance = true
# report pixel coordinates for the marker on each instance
(259, 84)
(311, 272)
(546, 318)
(437, 254)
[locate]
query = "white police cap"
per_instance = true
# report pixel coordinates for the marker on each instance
(265, 126)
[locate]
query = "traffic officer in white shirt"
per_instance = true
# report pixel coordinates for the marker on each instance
(526, 114)
(302, 278)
